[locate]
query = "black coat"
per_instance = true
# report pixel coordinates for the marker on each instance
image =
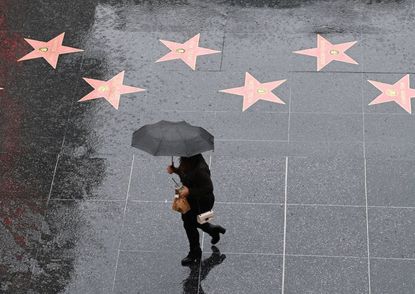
(200, 186)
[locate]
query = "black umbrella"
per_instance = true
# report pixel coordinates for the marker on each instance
(167, 138)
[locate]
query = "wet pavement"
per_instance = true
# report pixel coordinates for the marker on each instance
(317, 194)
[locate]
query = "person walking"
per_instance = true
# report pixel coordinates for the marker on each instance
(194, 174)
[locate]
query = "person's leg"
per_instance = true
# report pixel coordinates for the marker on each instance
(190, 226)
(212, 230)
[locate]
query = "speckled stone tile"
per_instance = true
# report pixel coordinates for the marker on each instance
(326, 92)
(253, 180)
(326, 127)
(251, 273)
(391, 232)
(250, 228)
(392, 276)
(391, 182)
(330, 231)
(153, 226)
(155, 272)
(306, 274)
(92, 178)
(326, 181)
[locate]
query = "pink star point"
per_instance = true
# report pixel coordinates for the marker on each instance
(400, 93)
(110, 90)
(254, 91)
(187, 51)
(327, 52)
(49, 50)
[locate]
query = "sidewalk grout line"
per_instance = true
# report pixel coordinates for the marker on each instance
(247, 203)
(278, 254)
(365, 173)
(285, 226)
(122, 226)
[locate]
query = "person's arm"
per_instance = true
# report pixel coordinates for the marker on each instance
(178, 172)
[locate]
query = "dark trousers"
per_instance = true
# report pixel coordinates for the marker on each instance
(191, 225)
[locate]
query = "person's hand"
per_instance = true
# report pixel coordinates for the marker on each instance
(170, 169)
(184, 192)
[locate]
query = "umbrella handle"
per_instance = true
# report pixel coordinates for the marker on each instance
(172, 162)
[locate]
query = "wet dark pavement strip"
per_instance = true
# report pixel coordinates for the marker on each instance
(316, 194)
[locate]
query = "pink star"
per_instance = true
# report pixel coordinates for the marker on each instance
(254, 91)
(50, 50)
(327, 52)
(109, 90)
(188, 51)
(400, 92)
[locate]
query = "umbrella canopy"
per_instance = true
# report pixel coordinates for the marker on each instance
(167, 138)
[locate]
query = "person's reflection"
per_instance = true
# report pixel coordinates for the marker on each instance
(191, 283)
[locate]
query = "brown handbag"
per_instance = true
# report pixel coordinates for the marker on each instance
(180, 204)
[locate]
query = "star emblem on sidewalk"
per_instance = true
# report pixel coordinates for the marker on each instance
(327, 52)
(400, 93)
(110, 90)
(187, 51)
(254, 91)
(50, 50)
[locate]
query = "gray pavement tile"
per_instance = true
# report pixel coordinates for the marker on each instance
(91, 271)
(370, 93)
(176, 16)
(326, 127)
(154, 272)
(97, 128)
(326, 181)
(151, 182)
(388, 16)
(12, 143)
(276, 149)
(345, 149)
(326, 92)
(389, 52)
(389, 128)
(390, 150)
(250, 273)
(392, 232)
(251, 126)
(73, 226)
(392, 276)
(114, 16)
(257, 52)
(335, 231)
(302, 16)
(326, 275)
(178, 91)
(391, 182)
(27, 174)
(249, 228)
(153, 226)
(267, 149)
(301, 62)
(92, 178)
(248, 179)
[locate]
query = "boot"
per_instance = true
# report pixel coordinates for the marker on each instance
(217, 230)
(193, 256)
